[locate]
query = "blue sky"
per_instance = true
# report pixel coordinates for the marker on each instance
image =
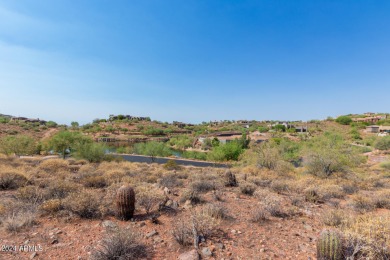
(193, 61)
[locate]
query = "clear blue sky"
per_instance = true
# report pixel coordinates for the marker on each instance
(194, 61)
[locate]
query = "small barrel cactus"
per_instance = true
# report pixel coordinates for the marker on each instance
(230, 179)
(125, 200)
(329, 246)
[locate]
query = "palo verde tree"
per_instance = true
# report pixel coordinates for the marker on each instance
(18, 145)
(330, 153)
(66, 141)
(344, 120)
(152, 149)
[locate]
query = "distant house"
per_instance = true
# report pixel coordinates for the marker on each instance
(369, 119)
(301, 129)
(372, 129)
(223, 137)
(384, 129)
(121, 117)
(181, 124)
(28, 120)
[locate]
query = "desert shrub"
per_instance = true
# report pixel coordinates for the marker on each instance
(182, 233)
(61, 189)
(259, 181)
(17, 221)
(218, 195)
(215, 211)
(202, 186)
(350, 188)
(259, 215)
(362, 203)
(280, 186)
(385, 165)
(171, 165)
(247, 188)
(274, 206)
(296, 201)
(120, 244)
(230, 179)
(333, 218)
(32, 194)
(311, 195)
(268, 155)
(330, 191)
(284, 168)
(198, 224)
(54, 165)
(115, 175)
(149, 198)
(170, 181)
(85, 204)
(260, 194)
(191, 195)
(382, 199)
(11, 179)
(94, 181)
(368, 237)
(383, 143)
(327, 154)
(51, 206)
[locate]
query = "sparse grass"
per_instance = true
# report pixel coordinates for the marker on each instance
(362, 203)
(259, 215)
(197, 224)
(382, 199)
(311, 195)
(120, 244)
(17, 221)
(170, 181)
(191, 195)
(368, 237)
(215, 211)
(94, 181)
(51, 206)
(54, 165)
(247, 188)
(149, 198)
(280, 186)
(202, 186)
(32, 194)
(334, 217)
(84, 203)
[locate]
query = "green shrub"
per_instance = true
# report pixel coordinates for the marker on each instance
(92, 152)
(328, 154)
(344, 120)
(383, 143)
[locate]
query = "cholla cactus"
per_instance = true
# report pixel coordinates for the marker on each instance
(125, 200)
(329, 246)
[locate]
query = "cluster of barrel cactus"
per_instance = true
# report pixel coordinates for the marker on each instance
(330, 246)
(125, 202)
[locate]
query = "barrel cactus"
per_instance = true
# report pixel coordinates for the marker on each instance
(125, 200)
(329, 246)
